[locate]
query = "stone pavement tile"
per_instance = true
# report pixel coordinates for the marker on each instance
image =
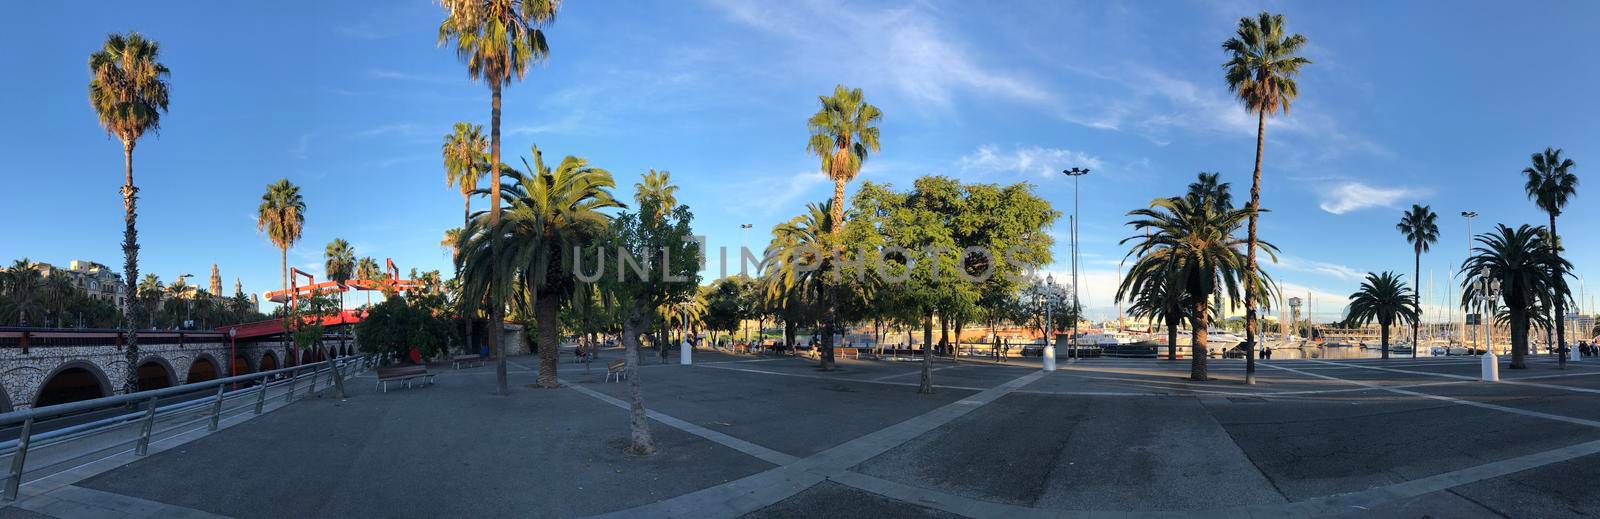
(12, 512)
(831, 500)
(793, 415)
(1432, 505)
(1081, 453)
(1550, 400)
(1564, 489)
(1312, 448)
(451, 449)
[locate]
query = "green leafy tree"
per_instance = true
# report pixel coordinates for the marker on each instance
(1421, 229)
(1384, 298)
(843, 132)
(662, 242)
(1517, 259)
(1263, 61)
(497, 40)
(128, 90)
(1551, 184)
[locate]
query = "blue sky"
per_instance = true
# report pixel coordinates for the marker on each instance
(1438, 103)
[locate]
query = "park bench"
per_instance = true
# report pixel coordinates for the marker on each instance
(618, 368)
(466, 360)
(404, 374)
(854, 353)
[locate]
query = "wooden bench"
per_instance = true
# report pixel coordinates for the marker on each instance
(404, 374)
(618, 368)
(466, 360)
(854, 353)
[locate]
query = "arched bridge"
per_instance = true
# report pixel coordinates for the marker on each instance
(41, 366)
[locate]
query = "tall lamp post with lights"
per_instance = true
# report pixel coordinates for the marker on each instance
(1048, 300)
(1072, 346)
(1488, 290)
(1469, 215)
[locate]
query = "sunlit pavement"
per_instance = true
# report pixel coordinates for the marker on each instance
(776, 437)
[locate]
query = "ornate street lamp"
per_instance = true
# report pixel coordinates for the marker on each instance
(1049, 323)
(1488, 290)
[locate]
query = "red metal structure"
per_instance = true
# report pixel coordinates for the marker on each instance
(391, 283)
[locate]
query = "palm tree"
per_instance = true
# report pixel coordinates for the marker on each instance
(657, 185)
(549, 213)
(843, 131)
(22, 286)
(1551, 184)
(149, 292)
(464, 162)
(367, 270)
(1525, 270)
(339, 261)
(128, 90)
(1192, 245)
(1420, 227)
(282, 216)
(1262, 64)
(1159, 300)
(497, 40)
(793, 275)
(1382, 298)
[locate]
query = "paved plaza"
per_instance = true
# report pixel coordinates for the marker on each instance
(748, 436)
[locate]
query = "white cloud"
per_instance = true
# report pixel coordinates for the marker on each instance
(1298, 264)
(764, 195)
(1352, 196)
(1032, 160)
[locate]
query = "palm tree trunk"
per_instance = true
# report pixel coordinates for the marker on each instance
(288, 311)
(466, 313)
(1198, 345)
(497, 308)
(130, 265)
(926, 387)
(1383, 340)
(1250, 256)
(1559, 286)
(640, 441)
(544, 311)
(1519, 338)
(1416, 338)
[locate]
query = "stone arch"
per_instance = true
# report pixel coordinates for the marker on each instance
(322, 355)
(155, 372)
(71, 382)
(5, 401)
(305, 357)
(204, 367)
(268, 362)
(240, 364)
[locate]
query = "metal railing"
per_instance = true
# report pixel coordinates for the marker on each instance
(208, 409)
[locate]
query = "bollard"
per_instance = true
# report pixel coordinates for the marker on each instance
(14, 481)
(144, 429)
(1049, 356)
(1491, 367)
(686, 354)
(261, 394)
(216, 407)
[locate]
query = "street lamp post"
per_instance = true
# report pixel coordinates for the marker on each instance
(187, 305)
(685, 352)
(1469, 215)
(1074, 173)
(1488, 290)
(233, 354)
(1049, 354)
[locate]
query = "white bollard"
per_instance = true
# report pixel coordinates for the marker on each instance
(1049, 358)
(1573, 354)
(1491, 367)
(686, 354)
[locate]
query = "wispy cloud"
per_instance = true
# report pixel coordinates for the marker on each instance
(764, 195)
(1298, 264)
(395, 75)
(388, 129)
(1028, 160)
(1352, 196)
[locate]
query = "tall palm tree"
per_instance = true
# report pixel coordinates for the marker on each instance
(1551, 184)
(23, 284)
(465, 162)
(1421, 229)
(497, 40)
(1189, 244)
(843, 132)
(657, 184)
(149, 293)
(549, 213)
(1263, 60)
(1517, 259)
(339, 262)
(128, 90)
(793, 274)
(282, 216)
(1159, 300)
(1383, 298)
